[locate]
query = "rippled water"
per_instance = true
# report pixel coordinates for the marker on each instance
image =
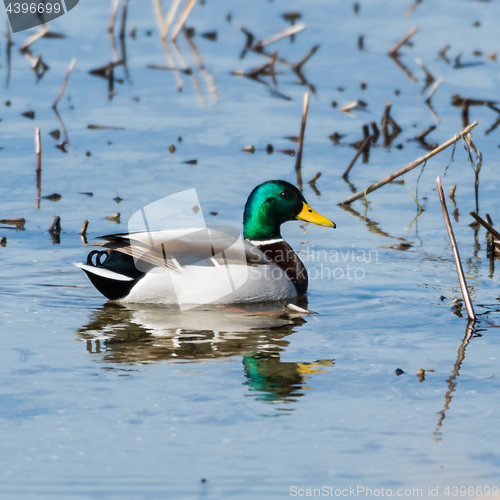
(105, 401)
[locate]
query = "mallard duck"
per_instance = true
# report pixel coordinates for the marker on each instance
(202, 266)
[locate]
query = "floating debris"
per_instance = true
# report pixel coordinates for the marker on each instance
(15, 222)
(62, 146)
(87, 194)
(404, 246)
(186, 71)
(352, 106)
(295, 308)
(289, 152)
(210, 35)
(114, 217)
(442, 54)
(292, 16)
(191, 162)
(292, 138)
(335, 137)
(103, 127)
(53, 197)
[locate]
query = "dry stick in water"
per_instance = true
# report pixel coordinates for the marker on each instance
(169, 18)
(287, 32)
(298, 162)
(55, 225)
(83, 232)
(33, 38)
(38, 151)
(64, 83)
(487, 226)
(315, 178)
(183, 18)
(394, 50)
(363, 146)
(411, 166)
(433, 90)
(456, 255)
(85, 225)
(111, 26)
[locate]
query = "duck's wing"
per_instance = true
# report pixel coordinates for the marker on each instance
(176, 248)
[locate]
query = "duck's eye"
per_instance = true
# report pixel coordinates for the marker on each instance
(284, 194)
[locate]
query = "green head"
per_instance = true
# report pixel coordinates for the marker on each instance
(271, 204)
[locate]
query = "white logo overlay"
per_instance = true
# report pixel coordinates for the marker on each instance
(197, 264)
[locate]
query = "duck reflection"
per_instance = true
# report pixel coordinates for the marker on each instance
(276, 381)
(138, 334)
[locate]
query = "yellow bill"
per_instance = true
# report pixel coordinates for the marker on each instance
(309, 215)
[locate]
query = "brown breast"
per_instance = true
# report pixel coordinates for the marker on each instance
(282, 254)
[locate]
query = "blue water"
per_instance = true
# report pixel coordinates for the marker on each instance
(99, 401)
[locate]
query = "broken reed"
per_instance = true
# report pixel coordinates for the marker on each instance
(298, 161)
(411, 166)
(456, 255)
(38, 151)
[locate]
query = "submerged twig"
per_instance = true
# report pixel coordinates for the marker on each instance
(411, 166)
(456, 255)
